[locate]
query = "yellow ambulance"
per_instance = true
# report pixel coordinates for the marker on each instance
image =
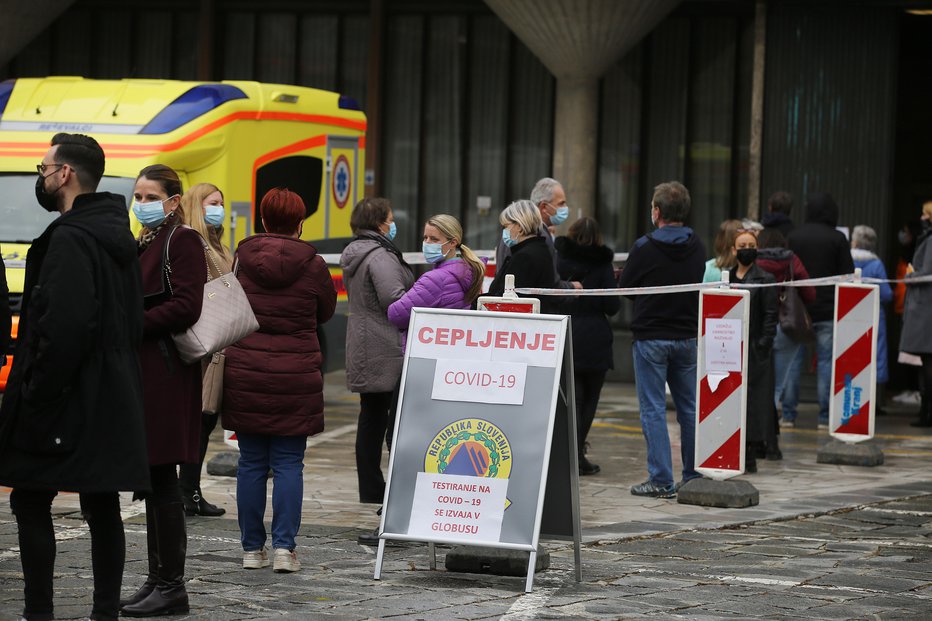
(244, 137)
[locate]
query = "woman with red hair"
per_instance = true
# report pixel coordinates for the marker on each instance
(273, 387)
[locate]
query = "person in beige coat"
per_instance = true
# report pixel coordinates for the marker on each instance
(375, 275)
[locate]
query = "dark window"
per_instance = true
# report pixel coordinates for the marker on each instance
(301, 174)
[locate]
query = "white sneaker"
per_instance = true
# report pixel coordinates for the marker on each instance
(787, 424)
(908, 397)
(256, 559)
(285, 561)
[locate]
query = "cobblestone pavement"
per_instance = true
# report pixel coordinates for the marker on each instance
(825, 542)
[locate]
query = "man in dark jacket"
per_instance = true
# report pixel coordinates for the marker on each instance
(664, 330)
(824, 251)
(550, 199)
(72, 416)
(777, 217)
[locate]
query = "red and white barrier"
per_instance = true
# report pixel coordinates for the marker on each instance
(721, 390)
(509, 302)
(854, 362)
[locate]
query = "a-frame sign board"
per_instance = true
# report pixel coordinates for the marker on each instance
(484, 451)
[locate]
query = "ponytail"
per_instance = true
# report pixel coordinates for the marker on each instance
(478, 272)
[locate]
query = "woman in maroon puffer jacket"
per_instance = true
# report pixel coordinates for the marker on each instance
(272, 384)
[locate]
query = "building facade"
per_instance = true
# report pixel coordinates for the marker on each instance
(461, 111)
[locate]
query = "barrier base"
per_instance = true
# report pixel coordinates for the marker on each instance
(729, 494)
(497, 561)
(861, 454)
(223, 464)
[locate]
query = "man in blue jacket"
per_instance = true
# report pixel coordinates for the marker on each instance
(664, 329)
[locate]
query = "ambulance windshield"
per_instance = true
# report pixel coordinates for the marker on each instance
(21, 217)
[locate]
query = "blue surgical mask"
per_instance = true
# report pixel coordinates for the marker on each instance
(560, 217)
(213, 215)
(433, 253)
(392, 231)
(150, 215)
(506, 238)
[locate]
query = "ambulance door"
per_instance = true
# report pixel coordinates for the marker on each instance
(342, 187)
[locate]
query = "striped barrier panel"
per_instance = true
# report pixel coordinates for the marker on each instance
(721, 382)
(854, 362)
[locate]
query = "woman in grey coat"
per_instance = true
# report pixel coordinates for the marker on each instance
(916, 337)
(375, 275)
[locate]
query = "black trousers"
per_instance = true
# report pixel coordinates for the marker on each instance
(376, 425)
(925, 385)
(588, 387)
(101, 511)
(189, 475)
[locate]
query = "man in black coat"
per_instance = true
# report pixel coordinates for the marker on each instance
(72, 416)
(824, 251)
(777, 217)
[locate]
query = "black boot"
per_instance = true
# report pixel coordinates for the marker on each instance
(189, 476)
(586, 467)
(750, 460)
(169, 597)
(196, 504)
(153, 550)
(925, 413)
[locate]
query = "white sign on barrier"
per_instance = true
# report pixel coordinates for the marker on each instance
(723, 345)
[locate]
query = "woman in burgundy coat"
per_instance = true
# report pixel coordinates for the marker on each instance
(273, 390)
(173, 286)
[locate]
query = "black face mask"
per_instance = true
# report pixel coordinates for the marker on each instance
(46, 199)
(747, 256)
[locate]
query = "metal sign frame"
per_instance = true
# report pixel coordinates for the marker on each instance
(562, 388)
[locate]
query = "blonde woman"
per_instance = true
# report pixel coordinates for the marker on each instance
(208, 220)
(722, 246)
(455, 281)
(202, 206)
(530, 260)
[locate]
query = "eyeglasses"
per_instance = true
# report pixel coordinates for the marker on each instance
(42, 167)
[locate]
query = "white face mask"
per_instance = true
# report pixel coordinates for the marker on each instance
(653, 219)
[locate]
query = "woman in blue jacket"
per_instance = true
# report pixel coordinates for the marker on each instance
(863, 252)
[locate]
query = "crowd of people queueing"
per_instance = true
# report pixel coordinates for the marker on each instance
(99, 400)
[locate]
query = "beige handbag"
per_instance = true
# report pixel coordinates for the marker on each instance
(226, 315)
(212, 384)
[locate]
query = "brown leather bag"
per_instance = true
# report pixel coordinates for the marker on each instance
(793, 317)
(212, 384)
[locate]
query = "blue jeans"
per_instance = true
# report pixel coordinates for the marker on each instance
(285, 456)
(823, 331)
(788, 356)
(673, 362)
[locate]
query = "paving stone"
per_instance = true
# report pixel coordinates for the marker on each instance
(643, 558)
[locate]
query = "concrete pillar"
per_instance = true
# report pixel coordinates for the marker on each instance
(22, 21)
(575, 140)
(578, 40)
(757, 112)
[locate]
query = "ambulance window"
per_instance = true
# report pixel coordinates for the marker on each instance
(301, 174)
